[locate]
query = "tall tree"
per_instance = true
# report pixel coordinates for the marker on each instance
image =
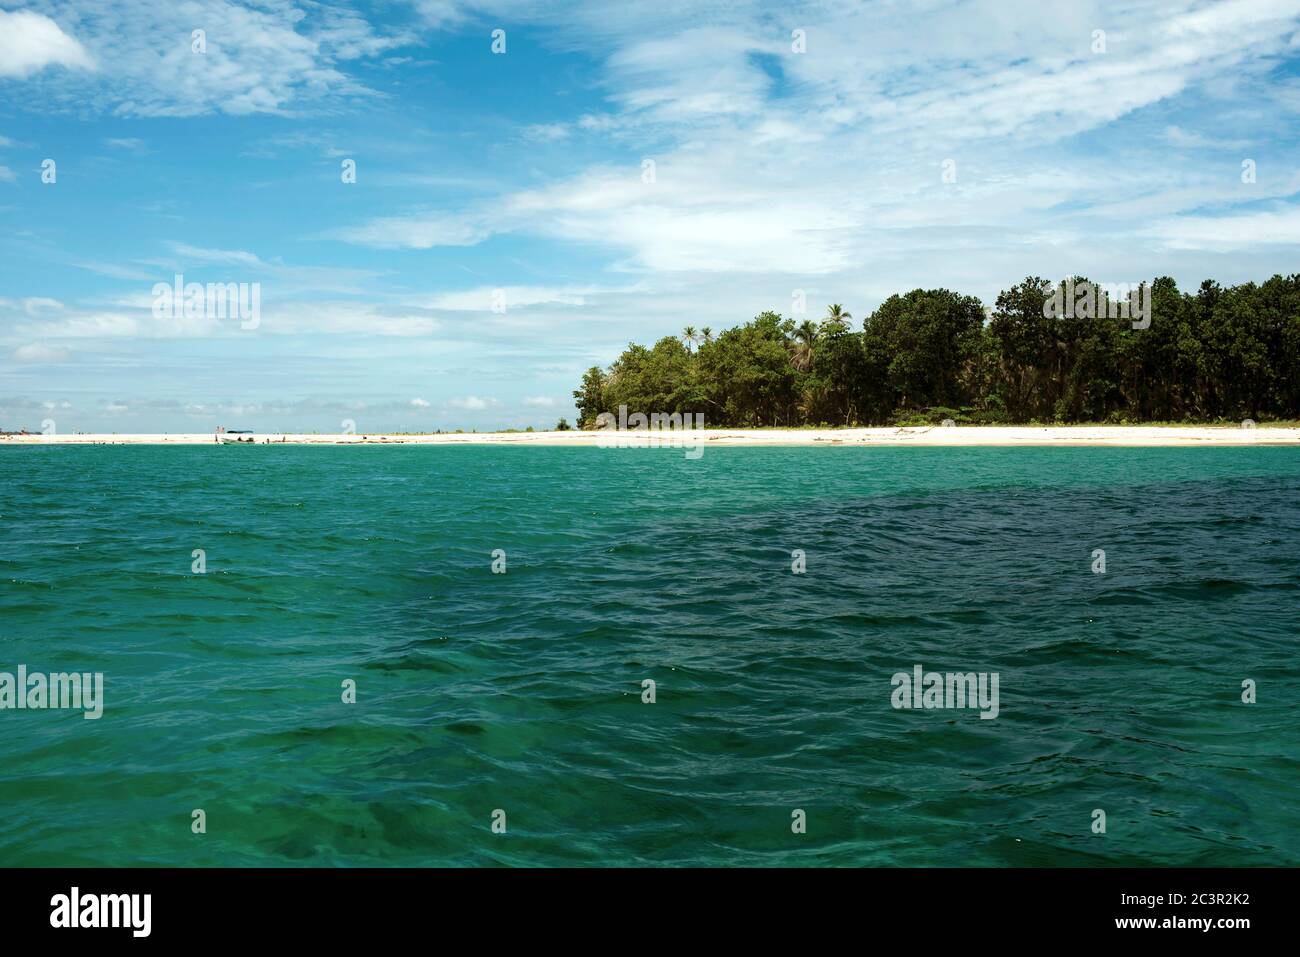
(921, 344)
(837, 319)
(590, 398)
(802, 344)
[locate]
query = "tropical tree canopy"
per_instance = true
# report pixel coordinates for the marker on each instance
(1219, 353)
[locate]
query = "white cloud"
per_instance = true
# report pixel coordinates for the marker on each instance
(472, 403)
(826, 165)
(1271, 227)
(417, 231)
(540, 401)
(29, 42)
(440, 13)
(484, 298)
(419, 403)
(131, 317)
(599, 122)
(1193, 140)
(694, 73)
(546, 132)
(119, 271)
(32, 305)
(35, 353)
(235, 257)
(129, 143)
(115, 324)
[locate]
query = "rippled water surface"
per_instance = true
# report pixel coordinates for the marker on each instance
(522, 692)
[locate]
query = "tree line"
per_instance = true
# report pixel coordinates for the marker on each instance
(1220, 353)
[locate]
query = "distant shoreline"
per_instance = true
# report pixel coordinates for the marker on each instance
(934, 436)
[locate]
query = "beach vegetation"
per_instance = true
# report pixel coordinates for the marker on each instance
(1216, 354)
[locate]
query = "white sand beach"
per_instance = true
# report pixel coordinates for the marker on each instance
(1136, 435)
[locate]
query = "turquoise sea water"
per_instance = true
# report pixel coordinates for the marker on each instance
(522, 691)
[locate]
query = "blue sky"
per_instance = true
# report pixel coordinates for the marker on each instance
(520, 175)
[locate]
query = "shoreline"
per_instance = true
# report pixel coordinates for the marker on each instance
(934, 436)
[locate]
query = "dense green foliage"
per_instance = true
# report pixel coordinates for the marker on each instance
(1219, 353)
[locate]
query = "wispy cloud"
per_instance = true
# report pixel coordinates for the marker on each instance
(546, 132)
(423, 230)
(130, 144)
(272, 59)
(1235, 231)
(197, 254)
(35, 353)
(816, 163)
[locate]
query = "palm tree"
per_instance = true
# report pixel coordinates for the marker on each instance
(689, 337)
(802, 345)
(706, 334)
(837, 319)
